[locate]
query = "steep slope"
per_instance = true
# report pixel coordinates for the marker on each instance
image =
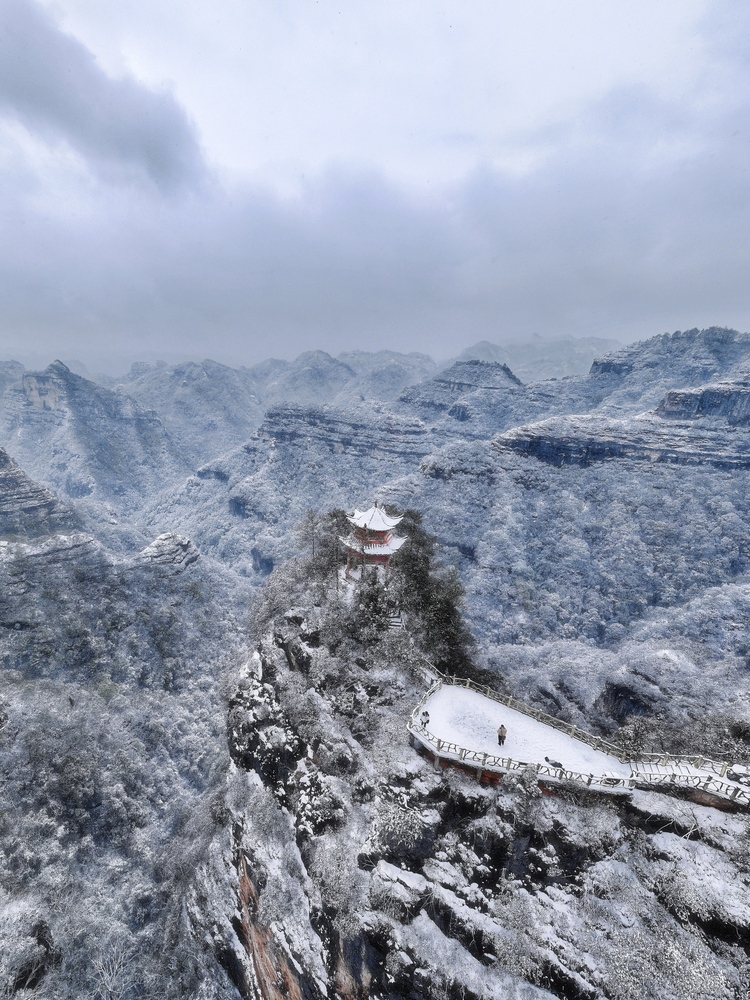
(112, 759)
(87, 441)
(453, 390)
(563, 551)
(26, 508)
(646, 437)
(472, 399)
(363, 870)
(384, 374)
(645, 371)
(540, 544)
(728, 400)
(237, 825)
(206, 408)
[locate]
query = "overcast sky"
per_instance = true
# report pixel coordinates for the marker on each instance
(245, 178)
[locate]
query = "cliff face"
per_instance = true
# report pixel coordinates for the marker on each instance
(112, 750)
(459, 390)
(85, 440)
(208, 408)
(359, 869)
(245, 504)
(371, 434)
(586, 440)
(729, 401)
(689, 357)
(25, 507)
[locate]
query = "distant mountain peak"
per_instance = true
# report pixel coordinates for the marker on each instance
(535, 359)
(479, 374)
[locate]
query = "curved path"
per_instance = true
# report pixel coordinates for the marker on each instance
(463, 724)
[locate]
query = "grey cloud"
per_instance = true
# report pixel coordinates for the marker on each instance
(634, 222)
(52, 83)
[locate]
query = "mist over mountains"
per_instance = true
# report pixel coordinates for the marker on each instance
(195, 749)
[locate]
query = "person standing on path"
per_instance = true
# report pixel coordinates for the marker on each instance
(501, 734)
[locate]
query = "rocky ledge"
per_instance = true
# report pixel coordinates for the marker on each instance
(728, 400)
(170, 549)
(366, 432)
(26, 508)
(583, 440)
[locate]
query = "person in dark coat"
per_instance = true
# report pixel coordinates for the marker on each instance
(501, 734)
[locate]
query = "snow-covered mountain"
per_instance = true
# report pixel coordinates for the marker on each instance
(203, 745)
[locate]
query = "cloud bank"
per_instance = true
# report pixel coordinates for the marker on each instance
(52, 84)
(632, 219)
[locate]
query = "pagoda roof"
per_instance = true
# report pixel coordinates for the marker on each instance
(374, 519)
(374, 548)
(386, 549)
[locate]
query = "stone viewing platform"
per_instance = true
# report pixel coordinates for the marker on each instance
(457, 722)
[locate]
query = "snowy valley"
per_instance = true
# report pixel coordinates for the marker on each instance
(208, 785)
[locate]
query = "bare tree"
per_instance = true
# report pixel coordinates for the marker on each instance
(112, 973)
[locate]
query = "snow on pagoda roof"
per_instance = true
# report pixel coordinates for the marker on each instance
(373, 548)
(375, 519)
(387, 549)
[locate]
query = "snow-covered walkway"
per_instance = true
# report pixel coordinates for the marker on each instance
(463, 726)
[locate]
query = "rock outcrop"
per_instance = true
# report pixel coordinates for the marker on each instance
(585, 440)
(444, 393)
(364, 432)
(26, 508)
(170, 549)
(728, 401)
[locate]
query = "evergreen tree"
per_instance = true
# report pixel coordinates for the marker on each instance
(431, 595)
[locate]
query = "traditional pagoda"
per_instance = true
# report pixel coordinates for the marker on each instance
(371, 541)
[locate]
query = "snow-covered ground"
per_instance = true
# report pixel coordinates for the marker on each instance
(468, 719)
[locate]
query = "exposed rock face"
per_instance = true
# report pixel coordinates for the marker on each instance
(25, 507)
(373, 434)
(170, 549)
(729, 401)
(477, 374)
(689, 357)
(585, 440)
(209, 408)
(112, 748)
(457, 889)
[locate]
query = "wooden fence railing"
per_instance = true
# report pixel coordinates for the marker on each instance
(493, 762)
